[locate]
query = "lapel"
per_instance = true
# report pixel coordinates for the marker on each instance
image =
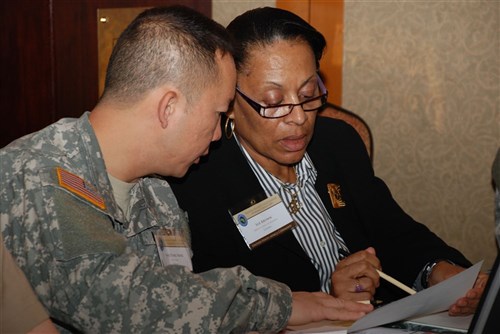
(329, 161)
(248, 187)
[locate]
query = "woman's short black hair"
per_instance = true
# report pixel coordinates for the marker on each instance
(265, 25)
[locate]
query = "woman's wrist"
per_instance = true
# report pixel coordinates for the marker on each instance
(440, 270)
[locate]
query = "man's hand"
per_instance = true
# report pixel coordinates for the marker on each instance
(467, 304)
(315, 306)
(356, 277)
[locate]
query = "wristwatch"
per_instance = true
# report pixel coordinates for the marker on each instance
(426, 274)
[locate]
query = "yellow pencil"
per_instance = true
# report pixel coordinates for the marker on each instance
(396, 283)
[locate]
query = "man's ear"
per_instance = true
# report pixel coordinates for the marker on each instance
(166, 107)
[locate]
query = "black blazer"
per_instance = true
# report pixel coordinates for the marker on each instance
(370, 217)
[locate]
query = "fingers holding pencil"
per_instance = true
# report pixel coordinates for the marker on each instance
(344, 254)
(355, 276)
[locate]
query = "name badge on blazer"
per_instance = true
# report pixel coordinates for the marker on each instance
(335, 195)
(262, 221)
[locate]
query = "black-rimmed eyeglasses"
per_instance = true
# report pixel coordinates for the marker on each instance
(281, 110)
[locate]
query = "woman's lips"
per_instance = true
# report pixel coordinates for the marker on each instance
(294, 143)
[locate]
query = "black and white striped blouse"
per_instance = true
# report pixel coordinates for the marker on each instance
(315, 230)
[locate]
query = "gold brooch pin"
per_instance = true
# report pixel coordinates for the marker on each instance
(335, 196)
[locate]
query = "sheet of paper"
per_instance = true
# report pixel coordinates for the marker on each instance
(384, 330)
(323, 327)
(431, 300)
(339, 327)
(443, 320)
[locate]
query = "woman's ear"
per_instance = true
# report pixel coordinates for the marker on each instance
(167, 106)
(230, 112)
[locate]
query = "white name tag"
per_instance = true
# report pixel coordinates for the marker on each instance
(263, 221)
(173, 247)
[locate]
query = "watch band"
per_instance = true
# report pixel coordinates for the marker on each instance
(428, 271)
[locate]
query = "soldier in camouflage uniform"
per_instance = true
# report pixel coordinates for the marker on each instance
(90, 256)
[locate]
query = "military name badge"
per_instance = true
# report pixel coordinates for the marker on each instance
(263, 221)
(173, 247)
(335, 195)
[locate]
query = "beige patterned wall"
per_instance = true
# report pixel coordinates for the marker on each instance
(425, 75)
(224, 11)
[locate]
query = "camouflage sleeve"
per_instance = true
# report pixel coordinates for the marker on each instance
(87, 275)
(151, 299)
(103, 293)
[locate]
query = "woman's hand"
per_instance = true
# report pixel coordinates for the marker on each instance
(467, 304)
(355, 277)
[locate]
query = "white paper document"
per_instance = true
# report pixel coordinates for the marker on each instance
(325, 326)
(435, 299)
(443, 320)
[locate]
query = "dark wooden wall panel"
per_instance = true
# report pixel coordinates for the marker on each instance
(26, 99)
(49, 59)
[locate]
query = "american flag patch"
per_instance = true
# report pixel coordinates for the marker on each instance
(78, 186)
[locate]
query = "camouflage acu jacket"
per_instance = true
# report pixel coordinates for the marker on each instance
(96, 271)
